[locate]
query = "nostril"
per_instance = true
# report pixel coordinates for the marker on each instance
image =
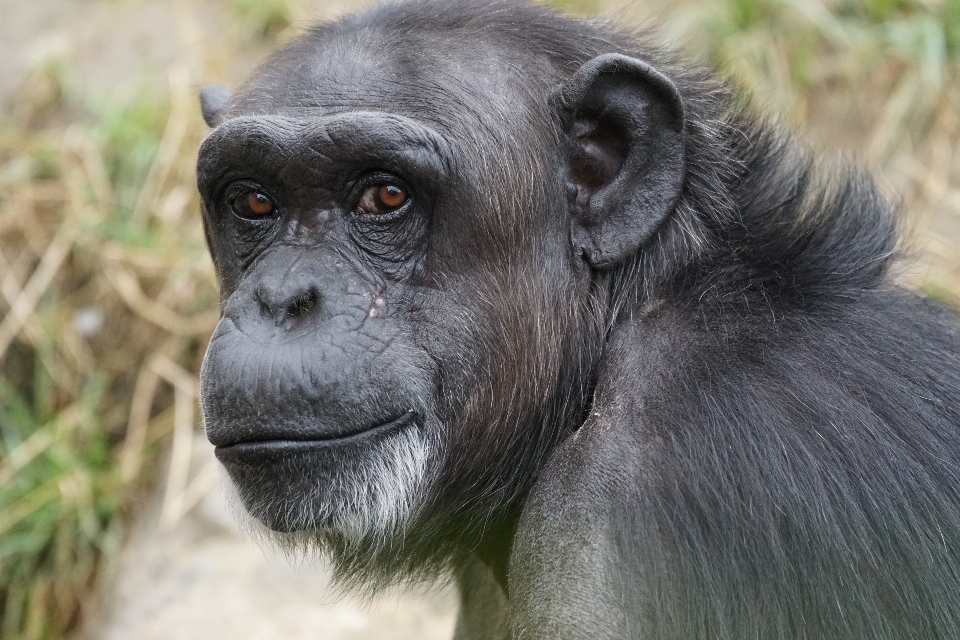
(282, 308)
(302, 304)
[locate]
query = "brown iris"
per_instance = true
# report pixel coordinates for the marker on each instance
(382, 198)
(255, 204)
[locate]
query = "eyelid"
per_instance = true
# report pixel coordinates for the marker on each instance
(380, 177)
(242, 186)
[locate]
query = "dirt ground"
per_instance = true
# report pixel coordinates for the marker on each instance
(201, 578)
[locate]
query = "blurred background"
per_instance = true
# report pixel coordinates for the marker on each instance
(111, 517)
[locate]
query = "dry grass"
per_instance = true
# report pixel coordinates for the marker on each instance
(108, 300)
(107, 297)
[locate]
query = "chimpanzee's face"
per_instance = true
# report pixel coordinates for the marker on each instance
(400, 304)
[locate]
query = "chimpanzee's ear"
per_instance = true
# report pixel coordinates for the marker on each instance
(625, 124)
(213, 100)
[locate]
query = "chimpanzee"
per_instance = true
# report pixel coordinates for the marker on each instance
(518, 299)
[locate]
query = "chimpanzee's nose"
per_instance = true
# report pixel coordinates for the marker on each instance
(286, 301)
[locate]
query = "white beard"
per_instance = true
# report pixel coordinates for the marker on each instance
(369, 504)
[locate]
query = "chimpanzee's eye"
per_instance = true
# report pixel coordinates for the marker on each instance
(253, 205)
(382, 198)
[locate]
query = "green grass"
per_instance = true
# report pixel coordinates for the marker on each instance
(58, 508)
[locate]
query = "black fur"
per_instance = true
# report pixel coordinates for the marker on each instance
(701, 411)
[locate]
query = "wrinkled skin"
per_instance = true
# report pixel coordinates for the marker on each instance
(509, 296)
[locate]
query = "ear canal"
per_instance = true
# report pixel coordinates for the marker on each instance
(625, 123)
(213, 100)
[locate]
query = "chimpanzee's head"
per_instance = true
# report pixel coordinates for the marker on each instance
(413, 215)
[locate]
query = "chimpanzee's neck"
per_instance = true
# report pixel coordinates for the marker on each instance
(483, 602)
(494, 550)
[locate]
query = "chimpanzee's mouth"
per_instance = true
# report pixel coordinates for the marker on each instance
(280, 446)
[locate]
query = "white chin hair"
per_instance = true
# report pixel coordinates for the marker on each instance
(376, 498)
(386, 490)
